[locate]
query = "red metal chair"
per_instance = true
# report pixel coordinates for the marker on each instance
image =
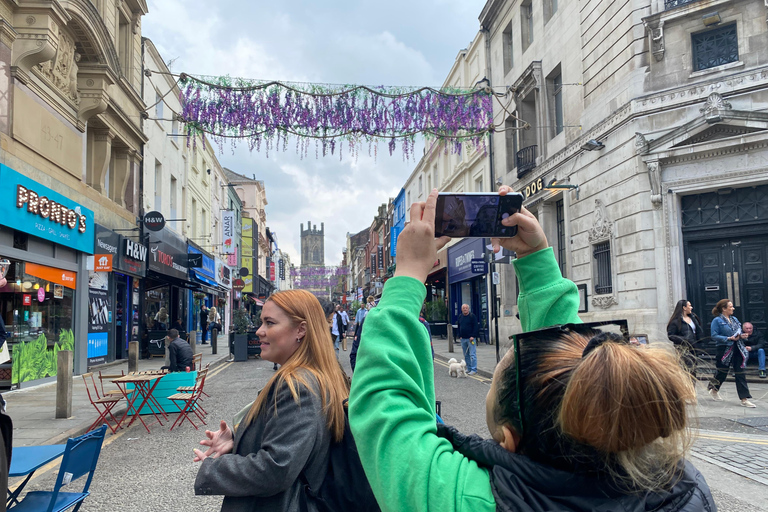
(110, 377)
(103, 405)
(190, 401)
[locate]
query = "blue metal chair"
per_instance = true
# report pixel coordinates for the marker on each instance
(80, 458)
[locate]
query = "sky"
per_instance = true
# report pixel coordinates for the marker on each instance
(400, 42)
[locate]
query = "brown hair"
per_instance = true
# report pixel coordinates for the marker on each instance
(720, 306)
(620, 410)
(315, 355)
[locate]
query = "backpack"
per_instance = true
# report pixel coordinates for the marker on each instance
(345, 486)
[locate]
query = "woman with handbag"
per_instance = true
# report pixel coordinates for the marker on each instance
(731, 352)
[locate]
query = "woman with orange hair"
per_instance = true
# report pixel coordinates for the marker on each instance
(282, 444)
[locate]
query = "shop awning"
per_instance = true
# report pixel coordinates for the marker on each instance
(198, 276)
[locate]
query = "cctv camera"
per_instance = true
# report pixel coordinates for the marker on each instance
(208, 171)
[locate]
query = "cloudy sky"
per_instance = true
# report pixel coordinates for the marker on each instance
(400, 42)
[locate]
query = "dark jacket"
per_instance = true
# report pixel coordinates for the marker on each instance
(203, 319)
(264, 471)
(522, 485)
(680, 332)
(181, 355)
(756, 341)
(468, 325)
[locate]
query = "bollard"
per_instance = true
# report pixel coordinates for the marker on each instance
(64, 366)
(450, 338)
(133, 356)
(214, 340)
(193, 341)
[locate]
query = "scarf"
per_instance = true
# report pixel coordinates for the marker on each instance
(735, 326)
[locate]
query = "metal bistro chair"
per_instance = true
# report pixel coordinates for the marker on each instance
(197, 361)
(109, 378)
(103, 405)
(198, 384)
(191, 402)
(80, 458)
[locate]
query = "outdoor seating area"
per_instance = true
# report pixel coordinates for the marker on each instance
(80, 456)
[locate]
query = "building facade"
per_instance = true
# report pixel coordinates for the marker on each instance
(643, 156)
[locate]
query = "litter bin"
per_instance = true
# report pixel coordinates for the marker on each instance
(240, 347)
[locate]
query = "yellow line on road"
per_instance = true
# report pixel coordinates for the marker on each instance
(476, 377)
(111, 439)
(731, 439)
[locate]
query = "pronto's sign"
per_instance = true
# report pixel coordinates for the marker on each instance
(32, 208)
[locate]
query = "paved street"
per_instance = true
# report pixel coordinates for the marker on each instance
(149, 472)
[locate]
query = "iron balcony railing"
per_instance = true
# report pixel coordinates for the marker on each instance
(526, 160)
(671, 4)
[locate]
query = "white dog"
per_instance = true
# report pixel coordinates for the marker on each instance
(456, 369)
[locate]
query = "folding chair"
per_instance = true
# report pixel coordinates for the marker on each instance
(103, 405)
(198, 384)
(190, 403)
(80, 458)
(103, 377)
(197, 361)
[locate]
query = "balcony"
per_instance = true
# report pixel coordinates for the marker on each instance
(526, 160)
(671, 4)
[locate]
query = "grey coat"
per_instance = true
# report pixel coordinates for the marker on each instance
(263, 472)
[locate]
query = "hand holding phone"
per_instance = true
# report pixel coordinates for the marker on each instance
(476, 215)
(530, 237)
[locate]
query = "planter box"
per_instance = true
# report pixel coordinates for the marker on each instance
(165, 388)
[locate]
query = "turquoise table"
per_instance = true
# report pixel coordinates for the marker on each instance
(165, 388)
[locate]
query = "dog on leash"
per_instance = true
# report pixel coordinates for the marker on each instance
(456, 369)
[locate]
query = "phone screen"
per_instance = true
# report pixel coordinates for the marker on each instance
(476, 215)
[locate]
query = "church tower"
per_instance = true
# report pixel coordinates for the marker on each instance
(312, 245)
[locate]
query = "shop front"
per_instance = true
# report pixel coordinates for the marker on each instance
(224, 300)
(436, 303)
(45, 238)
(165, 291)
(202, 271)
(467, 282)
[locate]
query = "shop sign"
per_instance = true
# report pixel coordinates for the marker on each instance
(223, 275)
(460, 258)
(238, 285)
(35, 209)
(102, 263)
(168, 255)
(228, 231)
(99, 320)
(106, 241)
(194, 260)
(133, 257)
(26, 299)
(248, 278)
(533, 188)
(271, 270)
(232, 259)
(154, 221)
(479, 266)
(205, 264)
(40, 294)
(54, 275)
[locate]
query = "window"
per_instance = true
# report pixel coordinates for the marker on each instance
(601, 252)
(526, 23)
(510, 127)
(124, 44)
(550, 8)
(174, 185)
(508, 49)
(159, 107)
(429, 182)
(560, 213)
(193, 218)
(556, 83)
(174, 126)
(158, 185)
(408, 201)
(436, 174)
(421, 186)
(479, 184)
(715, 47)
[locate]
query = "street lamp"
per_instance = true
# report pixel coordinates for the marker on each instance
(554, 185)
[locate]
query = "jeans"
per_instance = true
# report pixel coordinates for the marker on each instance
(760, 355)
(470, 354)
(336, 341)
(205, 332)
(738, 372)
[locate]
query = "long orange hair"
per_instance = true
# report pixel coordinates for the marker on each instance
(315, 355)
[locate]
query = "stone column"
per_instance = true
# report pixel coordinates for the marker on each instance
(99, 156)
(121, 173)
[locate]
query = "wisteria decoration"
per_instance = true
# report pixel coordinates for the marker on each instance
(318, 277)
(267, 114)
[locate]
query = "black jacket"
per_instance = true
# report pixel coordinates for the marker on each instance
(468, 325)
(181, 355)
(755, 341)
(522, 485)
(680, 333)
(203, 318)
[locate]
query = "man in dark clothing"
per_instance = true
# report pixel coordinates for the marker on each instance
(468, 328)
(756, 346)
(204, 323)
(179, 351)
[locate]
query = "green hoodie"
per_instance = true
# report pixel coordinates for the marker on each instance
(392, 401)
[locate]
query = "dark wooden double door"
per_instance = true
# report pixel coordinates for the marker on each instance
(729, 268)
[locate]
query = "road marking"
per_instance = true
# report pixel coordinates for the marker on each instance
(43, 470)
(731, 439)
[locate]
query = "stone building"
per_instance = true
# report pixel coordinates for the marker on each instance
(637, 132)
(312, 245)
(70, 136)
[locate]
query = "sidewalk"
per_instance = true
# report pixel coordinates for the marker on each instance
(33, 409)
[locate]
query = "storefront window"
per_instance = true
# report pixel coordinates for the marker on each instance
(37, 312)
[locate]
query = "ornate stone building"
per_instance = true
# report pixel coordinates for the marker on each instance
(312, 245)
(638, 133)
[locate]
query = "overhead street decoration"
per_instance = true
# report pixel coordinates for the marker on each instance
(318, 278)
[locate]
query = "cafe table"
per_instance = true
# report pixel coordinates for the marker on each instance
(28, 459)
(143, 384)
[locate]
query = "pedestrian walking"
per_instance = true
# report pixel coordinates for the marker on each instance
(281, 446)
(731, 352)
(359, 333)
(684, 331)
(344, 318)
(755, 344)
(214, 319)
(337, 330)
(468, 331)
(204, 323)
(578, 422)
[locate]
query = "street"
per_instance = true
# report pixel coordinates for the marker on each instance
(149, 472)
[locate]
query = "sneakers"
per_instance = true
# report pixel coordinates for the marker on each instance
(762, 374)
(715, 395)
(472, 373)
(747, 403)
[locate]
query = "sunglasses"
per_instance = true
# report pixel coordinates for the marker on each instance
(542, 336)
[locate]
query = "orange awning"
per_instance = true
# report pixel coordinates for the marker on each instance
(54, 275)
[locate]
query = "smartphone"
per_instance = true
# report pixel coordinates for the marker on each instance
(476, 214)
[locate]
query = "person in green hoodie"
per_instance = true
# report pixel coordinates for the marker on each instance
(604, 423)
